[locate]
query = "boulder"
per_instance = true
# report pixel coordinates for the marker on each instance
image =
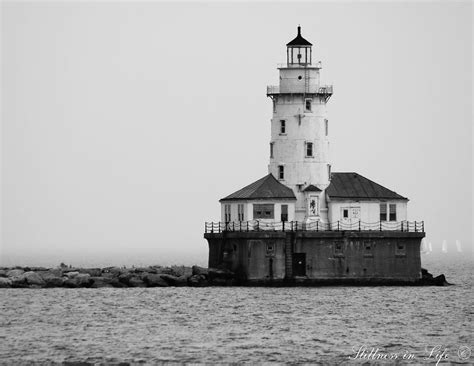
(70, 282)
(112, 272)
(179, 271)
(106, 282)
(55, 281)
(71, 274)
(36, 269)
(196, 270)
(69, 269)
(146, 270)
(425, 274)
(19, 281)
(93, 272)
(52, 278)
(174, 280)
(441, 280)
(5, 282)
(136, 281)
(125, 278)
(83, 280)
(99, 282)
(215, 273)
(15, 272)
(33, 278)
(154, 280)
(198, 281)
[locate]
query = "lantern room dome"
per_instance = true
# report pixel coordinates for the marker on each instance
(299, 40)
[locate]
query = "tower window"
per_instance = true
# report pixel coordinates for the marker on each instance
(300, 77)
(271, 149)
(281, 172)
(326, 122)
(307, 105)
(309, 149)
(329, 171)
(274, 106)
(282, 126)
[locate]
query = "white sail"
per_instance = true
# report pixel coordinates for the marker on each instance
(424, 247)
(444, 247)
(458, 246)
(430, 247)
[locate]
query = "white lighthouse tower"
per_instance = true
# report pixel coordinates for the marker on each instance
(299, 145)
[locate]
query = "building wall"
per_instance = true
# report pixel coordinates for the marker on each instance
(248, 209)
(290, 82)
(369, 210)
(363, 256)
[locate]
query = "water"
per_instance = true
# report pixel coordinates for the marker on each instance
(313, 325)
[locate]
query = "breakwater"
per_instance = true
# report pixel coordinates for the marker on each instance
(158, 276)
(152, 276)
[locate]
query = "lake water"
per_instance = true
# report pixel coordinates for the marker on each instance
(221, 325)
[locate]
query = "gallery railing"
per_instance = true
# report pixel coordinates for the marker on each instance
(256, 225)
(313, 89)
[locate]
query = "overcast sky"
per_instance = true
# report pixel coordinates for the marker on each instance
(123, 124)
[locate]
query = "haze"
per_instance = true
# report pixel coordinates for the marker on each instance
(124, 123)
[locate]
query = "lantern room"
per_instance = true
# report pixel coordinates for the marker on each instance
(298, 51)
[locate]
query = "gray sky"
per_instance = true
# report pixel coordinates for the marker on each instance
(123, 124)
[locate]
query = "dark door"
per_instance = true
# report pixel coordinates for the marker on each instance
(299, 264)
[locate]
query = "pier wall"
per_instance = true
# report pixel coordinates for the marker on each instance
(317, 256)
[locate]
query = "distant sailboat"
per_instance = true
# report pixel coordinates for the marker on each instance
(458, 246)
(444, 247)
(430, 247)
(424, 247)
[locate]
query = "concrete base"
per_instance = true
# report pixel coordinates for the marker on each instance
(311, 258)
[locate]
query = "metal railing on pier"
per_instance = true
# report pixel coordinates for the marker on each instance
(257, 225)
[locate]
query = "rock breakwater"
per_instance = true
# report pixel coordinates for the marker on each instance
(152, 276)
(158, 276)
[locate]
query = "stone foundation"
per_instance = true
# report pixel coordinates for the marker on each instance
(318, 258)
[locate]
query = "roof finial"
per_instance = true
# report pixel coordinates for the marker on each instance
(299, 30)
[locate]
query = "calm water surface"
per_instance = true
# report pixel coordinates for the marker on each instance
(221, 325)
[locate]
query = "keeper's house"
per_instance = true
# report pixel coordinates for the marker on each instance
(302, 222)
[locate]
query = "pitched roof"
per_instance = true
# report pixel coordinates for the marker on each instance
(299, 40)
(311, 188)
(355, 186)
(264, 188)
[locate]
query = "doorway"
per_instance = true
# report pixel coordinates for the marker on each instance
(299, 264)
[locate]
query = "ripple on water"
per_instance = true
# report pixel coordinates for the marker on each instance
(230, 324)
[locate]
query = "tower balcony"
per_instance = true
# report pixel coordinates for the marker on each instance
(317, 65)
(323, 90)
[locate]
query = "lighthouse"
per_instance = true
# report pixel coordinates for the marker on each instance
(303, 223)
(299, 145)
